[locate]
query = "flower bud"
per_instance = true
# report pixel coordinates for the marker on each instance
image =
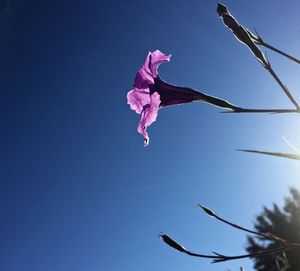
(206, 210)
(221, 9)
(169, 241)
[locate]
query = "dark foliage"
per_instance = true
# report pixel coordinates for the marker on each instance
(284, 223)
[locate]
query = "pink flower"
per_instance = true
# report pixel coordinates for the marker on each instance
(141, 99)
(150, 93)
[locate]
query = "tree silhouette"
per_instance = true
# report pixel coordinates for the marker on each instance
(285, 223)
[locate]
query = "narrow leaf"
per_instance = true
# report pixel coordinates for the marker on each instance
(278, 154)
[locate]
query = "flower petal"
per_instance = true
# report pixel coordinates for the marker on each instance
(144, 76)
(157, 58)
(138, 98)
(149, 115)
(148, 71)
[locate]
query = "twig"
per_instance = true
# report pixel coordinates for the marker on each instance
(255, 254)
(253, 110)
(280, 52)
(283, 87)
(265, 235)
(216, 257)
(258, 40)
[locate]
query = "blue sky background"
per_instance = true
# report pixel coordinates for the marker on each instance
(78, 191)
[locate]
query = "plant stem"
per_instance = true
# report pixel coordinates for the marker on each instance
(283, 87)
(255, 254)
(280, 52)
(253, 110)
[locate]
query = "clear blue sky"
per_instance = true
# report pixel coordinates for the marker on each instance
(78, 191)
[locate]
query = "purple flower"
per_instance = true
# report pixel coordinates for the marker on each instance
(141, 98)
(150, 93)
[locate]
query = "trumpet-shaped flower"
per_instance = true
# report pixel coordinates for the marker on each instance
(150, 93)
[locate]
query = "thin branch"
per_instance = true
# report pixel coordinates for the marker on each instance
(283, 87)
(265, 235)
(253, 110)
(255, 254)
(280, 52)
(258, 40)
(216, 257)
